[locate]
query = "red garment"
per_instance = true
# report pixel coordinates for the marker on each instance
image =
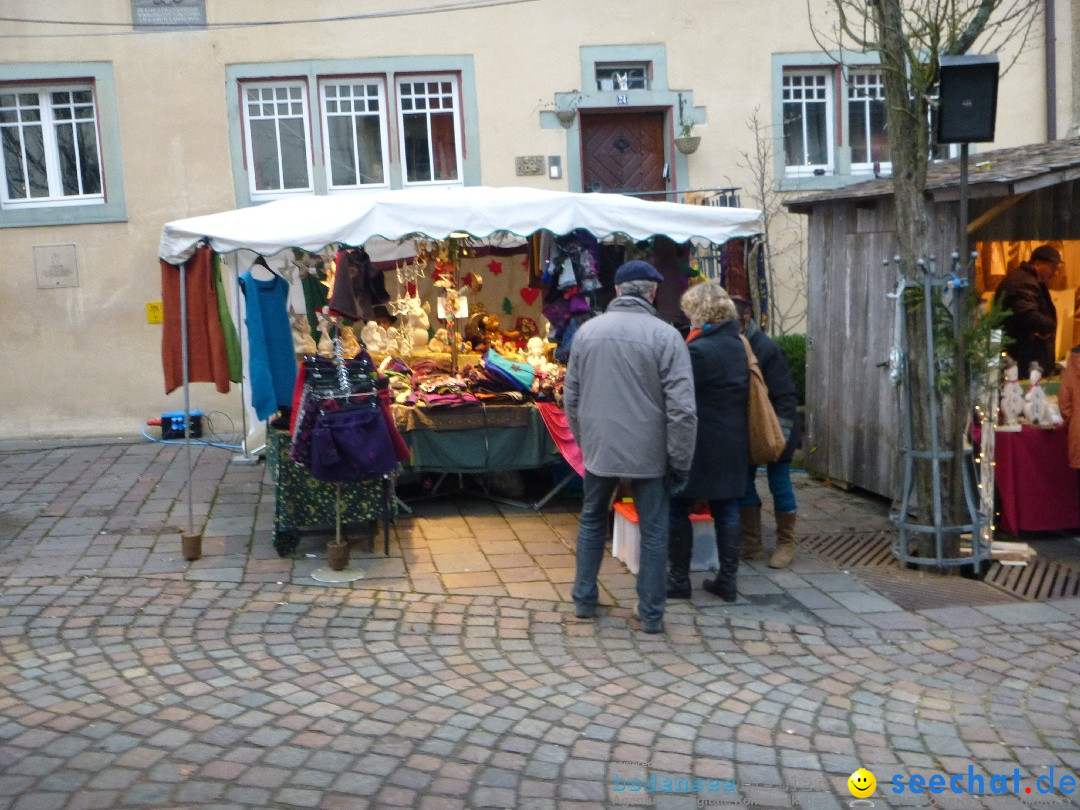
(401, 449)
(208, 359)
(555, 422)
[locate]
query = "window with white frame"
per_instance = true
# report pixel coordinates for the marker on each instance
(276, 131)
(355, 141)
(429, 119)
(629, 76)
(807, 121)
(52, 154)
(867, 131)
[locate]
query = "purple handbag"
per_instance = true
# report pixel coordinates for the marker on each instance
(350, 445)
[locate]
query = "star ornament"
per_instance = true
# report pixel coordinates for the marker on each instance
(495, 267)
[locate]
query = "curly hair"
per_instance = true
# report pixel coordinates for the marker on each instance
(707, 302)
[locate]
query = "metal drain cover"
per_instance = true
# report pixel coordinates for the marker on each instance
(869, 555)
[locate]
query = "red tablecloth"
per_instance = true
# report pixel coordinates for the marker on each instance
(1037, 486)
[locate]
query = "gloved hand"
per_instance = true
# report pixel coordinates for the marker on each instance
(677, 480)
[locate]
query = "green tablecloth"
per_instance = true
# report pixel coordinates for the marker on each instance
(301, 501)
(514, 439)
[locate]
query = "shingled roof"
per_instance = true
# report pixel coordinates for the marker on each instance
(997, 173)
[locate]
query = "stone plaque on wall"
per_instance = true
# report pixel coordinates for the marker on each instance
(56, 266)
(529, 165)
(167, 15)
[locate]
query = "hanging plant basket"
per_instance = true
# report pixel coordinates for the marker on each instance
(688, 144)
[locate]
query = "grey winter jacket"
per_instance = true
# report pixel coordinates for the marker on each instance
(629, 393)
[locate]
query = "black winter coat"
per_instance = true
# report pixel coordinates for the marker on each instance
(782, 394)
(1033, 323)
(721, 388)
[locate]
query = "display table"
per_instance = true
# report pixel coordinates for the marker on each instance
(1037, 487)
(473, 439)
(302, 502)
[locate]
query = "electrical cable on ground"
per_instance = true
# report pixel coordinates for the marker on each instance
(209, 429)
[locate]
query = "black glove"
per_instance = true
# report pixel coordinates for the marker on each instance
(677, 480)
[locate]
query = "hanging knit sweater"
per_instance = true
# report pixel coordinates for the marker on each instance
(271, 356)
(207, 355)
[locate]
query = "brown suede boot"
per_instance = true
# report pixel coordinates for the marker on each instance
(785, 540)
(750, 519)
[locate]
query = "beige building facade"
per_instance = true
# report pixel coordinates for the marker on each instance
(111, 129)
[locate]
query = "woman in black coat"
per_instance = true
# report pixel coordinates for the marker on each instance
(722, 454)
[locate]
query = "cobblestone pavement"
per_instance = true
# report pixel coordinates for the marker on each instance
(131, 678)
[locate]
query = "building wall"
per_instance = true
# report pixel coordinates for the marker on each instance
(82, 360)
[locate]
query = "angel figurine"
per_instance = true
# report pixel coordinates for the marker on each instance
(303, 342)
(326, 343)
(418, 323)
(1012, 397)
(534, 354)
(1035, 405)
(350, 346)
(374, 337)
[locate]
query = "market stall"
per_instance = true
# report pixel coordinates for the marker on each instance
(444, 265)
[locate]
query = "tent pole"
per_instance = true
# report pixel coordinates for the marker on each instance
(188, 538)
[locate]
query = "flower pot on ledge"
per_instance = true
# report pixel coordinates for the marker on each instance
(688, 144)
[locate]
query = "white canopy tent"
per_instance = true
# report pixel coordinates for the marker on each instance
(504, 216)
(385, 222)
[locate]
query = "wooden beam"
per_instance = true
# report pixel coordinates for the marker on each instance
(995, 211)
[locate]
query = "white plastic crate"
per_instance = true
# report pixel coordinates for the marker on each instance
(626, 540)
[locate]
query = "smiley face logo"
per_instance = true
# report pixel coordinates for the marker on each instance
(861, 783)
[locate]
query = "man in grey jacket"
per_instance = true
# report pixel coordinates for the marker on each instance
(629, 400)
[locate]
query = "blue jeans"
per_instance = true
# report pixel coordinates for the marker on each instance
(783, 496)
(651, 503)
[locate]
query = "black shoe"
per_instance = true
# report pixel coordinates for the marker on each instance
(716, 588)
(678, 588)
(652, 628)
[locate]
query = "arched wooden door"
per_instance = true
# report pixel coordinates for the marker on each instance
(623, 152)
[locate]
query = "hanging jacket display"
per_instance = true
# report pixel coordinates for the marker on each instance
(208, 359)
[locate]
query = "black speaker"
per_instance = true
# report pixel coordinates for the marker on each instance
(967, 98)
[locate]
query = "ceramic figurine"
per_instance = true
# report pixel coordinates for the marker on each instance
(350, 346)
(418, 322)
(326, 343)
(534, 354)
(303, 342)
(440, 342)
(1012, 398)
(374, 337)
(1035, 405)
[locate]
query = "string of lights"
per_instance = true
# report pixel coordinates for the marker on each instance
(458, 5)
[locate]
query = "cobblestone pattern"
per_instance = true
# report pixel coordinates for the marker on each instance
(129, 678)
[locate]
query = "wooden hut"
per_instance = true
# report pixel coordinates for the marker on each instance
(1019, 196)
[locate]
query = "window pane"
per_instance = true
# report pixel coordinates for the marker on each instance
(880, 150)
(264, 155)
(88, 158)
(794, 150)
(13, 170)
(443, 147)
(417, 159)
(860, 151)
(817, 145)
(35, 161)
(342, 151)
(69, 163)
(294, 154)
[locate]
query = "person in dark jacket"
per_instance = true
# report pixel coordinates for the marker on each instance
(1033, 322)
(629, 401)
(722, 449)
(785, 401)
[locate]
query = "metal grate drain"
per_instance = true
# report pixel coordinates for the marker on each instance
(852, 548)
(1037, 581)
(1041, 579)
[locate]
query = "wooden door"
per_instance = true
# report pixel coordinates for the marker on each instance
(623, 152)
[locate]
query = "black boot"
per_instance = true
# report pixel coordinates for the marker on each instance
(680, 548)
(728, 541)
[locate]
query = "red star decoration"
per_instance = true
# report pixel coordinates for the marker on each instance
(495, 267)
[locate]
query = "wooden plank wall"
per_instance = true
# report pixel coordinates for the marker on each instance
(852, 420)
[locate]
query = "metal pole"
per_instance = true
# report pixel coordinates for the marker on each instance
(191, 542)
(963, 240)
